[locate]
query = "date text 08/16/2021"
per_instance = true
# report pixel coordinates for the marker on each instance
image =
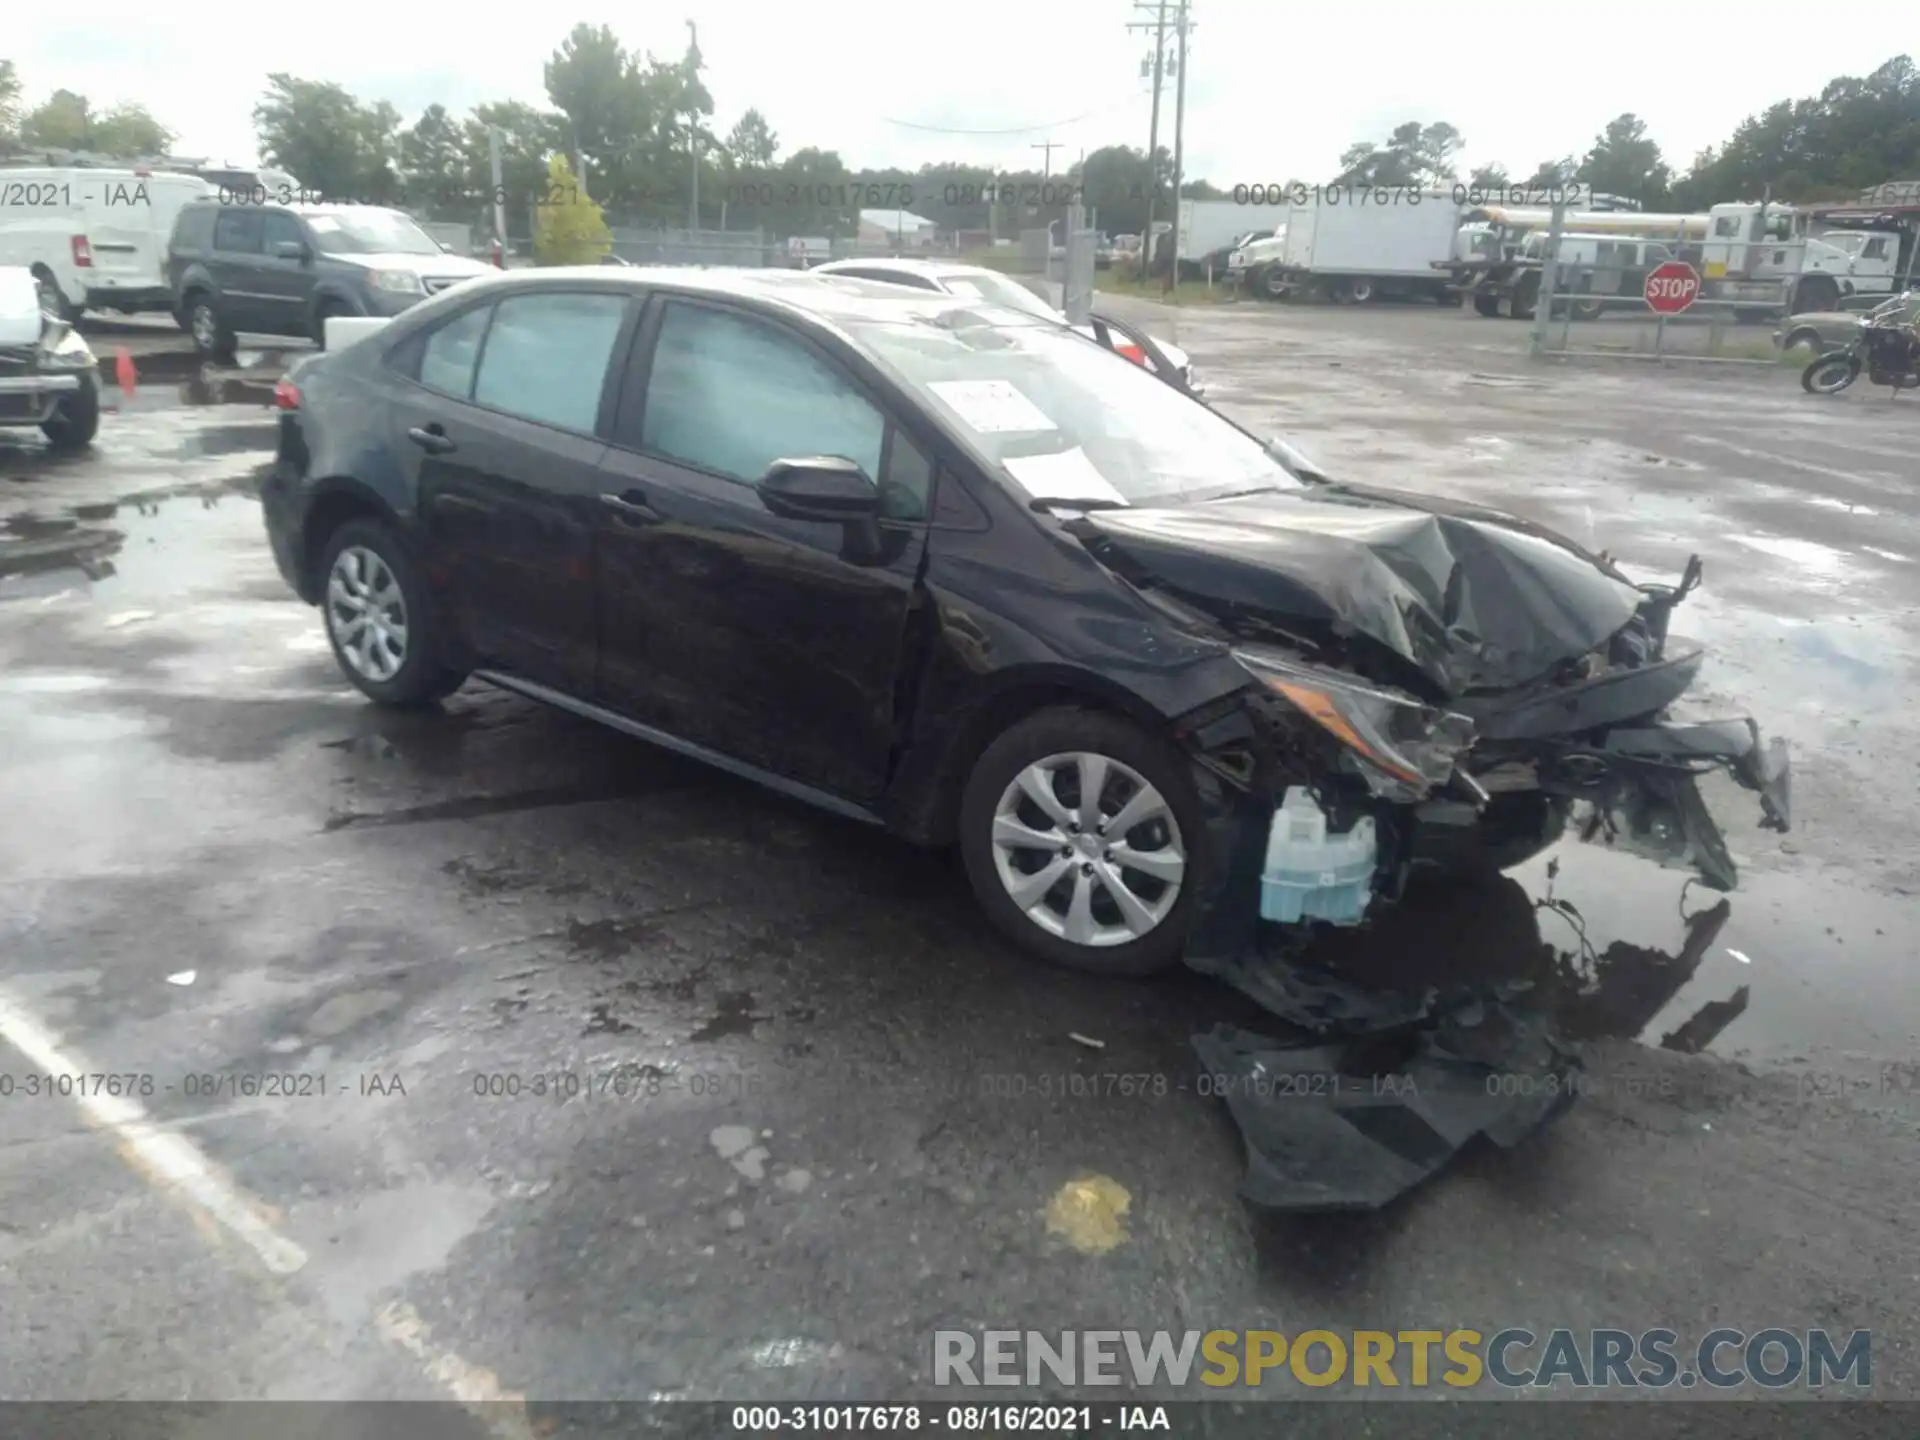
(1296, 192)
(400, 196)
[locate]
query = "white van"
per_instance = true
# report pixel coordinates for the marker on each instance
(95, 239)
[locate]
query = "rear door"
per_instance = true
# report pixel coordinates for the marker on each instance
(777, 642)
(502, 423)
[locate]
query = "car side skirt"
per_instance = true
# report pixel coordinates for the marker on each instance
(823, 799)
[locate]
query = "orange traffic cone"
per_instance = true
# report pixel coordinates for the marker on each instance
(124, 372)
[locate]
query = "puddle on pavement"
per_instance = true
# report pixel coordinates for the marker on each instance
(1828, 968)
(157, 552)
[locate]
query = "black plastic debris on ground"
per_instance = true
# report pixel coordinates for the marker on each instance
(1353, 1124)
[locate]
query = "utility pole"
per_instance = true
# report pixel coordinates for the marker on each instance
(693, 129)
(499, 194)
(1046, 172)
(1179, 135)
(1159, 28)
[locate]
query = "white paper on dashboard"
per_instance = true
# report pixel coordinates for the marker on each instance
(1066, 476)
(991, 407)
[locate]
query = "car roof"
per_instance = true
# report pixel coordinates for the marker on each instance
(836, 299)
(933, 269)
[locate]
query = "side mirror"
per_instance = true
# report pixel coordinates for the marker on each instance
(819, 487)
(290, 250)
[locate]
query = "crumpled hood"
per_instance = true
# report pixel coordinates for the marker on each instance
(1475, 598)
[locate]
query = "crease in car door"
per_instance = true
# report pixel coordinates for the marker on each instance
(509, 480)
(767, 639)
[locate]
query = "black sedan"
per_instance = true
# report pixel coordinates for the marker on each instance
(961, 572)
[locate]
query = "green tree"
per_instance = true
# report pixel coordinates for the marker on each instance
(527, 138)
(1549, 173)
(127, 129)
(752, 144)
(9, 103)
(1415, 154)
(434, 165)
(608, 106)
(62, 122)
(1489, 177)
(570, 230)
(1624, 161)
(816, 179)
(318, 132)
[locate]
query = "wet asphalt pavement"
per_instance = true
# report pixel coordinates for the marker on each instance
(800, 1108)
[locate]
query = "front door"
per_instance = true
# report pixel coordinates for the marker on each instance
(285, 282)
(777, 642)
(502, 423)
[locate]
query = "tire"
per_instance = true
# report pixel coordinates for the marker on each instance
(328, 309)
(1274, 284)
(1588, 309)
(1357, 292)
(213, 338)
(1830, 374)
(372, 551)
(1046, 747)
(1487, 305)
(76, 419)
(1526, 295)
(1808, 338)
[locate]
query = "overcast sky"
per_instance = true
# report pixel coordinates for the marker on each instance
(1277, 90)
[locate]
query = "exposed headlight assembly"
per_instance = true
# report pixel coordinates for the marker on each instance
(62, 347)
(1400, 747)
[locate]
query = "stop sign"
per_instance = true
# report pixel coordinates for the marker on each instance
(1671, 287)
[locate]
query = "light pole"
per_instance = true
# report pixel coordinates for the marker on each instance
(1179, 135)
(693, 125)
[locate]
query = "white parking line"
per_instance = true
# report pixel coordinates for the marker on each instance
(170, 1160)
(173, 1163)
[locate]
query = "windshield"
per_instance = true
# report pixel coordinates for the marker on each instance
(369, 232)
(1066, 418)
(997, 289)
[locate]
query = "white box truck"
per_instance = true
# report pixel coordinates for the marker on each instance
(1354, 244)
(1211, 230)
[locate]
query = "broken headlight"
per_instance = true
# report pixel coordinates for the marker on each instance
(1402, 748)
(63, 347)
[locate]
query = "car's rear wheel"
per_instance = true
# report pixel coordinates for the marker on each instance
(380, 618)
(1082, 836)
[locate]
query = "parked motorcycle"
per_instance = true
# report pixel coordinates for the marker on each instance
(1884, 346)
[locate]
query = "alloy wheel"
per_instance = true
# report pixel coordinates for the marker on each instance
(367, 614)
(1088, 849)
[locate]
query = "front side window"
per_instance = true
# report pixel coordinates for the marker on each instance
(732, 394)
(546, 357)
(238, 232)
(278, 228)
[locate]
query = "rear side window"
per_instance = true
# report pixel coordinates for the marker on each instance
(546, 357)
(194, 228)
(238, 231)
(447, 359)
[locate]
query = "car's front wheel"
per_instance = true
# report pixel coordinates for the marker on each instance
(1083, 837)
(380, 618)
(76, 418)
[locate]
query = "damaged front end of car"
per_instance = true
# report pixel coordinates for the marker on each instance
(1308, 757)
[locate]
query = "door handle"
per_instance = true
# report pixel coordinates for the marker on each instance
(632, 505)
(430, 438)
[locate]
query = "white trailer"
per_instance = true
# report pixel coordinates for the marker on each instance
(1215, 227)
(1358, 243)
